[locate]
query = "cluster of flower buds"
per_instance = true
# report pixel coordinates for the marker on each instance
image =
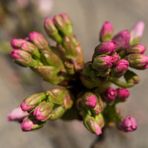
(54, 63)
(36, 109)
(85, 91)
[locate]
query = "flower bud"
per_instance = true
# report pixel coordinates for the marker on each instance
(17, 114)
(28, 125)
(106, 31)
(131, 78)
(115, 58)
(90, 99)
(110, 94)
(128, 124)
(120, 68)
(63, 24)
(16, 43)
(50, 74)
(137, 32)
(30, 48)
(23, 58)
(52, 30)
(122, 94)
(43, 110)
(138, 61)
(29, 103)
(38, 39)
(94, 124)
(137, 49)
(105, 48)
(57, 113)
(102, 62)
(122, 39)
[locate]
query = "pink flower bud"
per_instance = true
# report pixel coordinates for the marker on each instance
(102, 62)
(27, 125)
(91, 101)
(128, 124)
(38, 39)
(105, 48)
(138, 61)
(137, 49)
(16, 43)
(17, 114)
(42, 111)
(122, 94)
(110, 94)
(137, 30)
(122, 39)
(52, 30)
(106, 31)
(115, 58)
(121, 67)
(22, 57)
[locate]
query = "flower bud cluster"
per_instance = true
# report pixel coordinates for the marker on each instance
(85, 90)
(36, 109)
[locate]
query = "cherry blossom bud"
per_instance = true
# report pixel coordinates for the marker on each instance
(115, 58)
(102, 62)
(122, 39)
(94, 124)
(32, 101)
(17, 114)
(106, 31)
(63, 24)
(137, 32)
(105, 48)
(128, 124)
(90, 99)
(110, 94)
(29, 125)
(139, 49)
(138, 61)
(38, 39)
(120, 68)
(52, 30)
(23, 58)
(122, 94)
(30, 48)
(42, 111)
(16, 43)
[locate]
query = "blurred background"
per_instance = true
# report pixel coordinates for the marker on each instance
(17, 19)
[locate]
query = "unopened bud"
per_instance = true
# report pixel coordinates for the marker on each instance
(120, 68)
(122, 39)
(128, 124)
(115, 58)
(28, 125)
(137, 32)
(43, 110)
(105, 48)
(138, 61)
(94, 124)
(63, 24)
(23, 58)
(102, 62)
(122, 94)
(16, 43)
(137, 49)
(30, 48)
(106, 31)
(32, 101)
(38, 39)
(110, 94)
(52, 30)
(17, 114)
(57, 113)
